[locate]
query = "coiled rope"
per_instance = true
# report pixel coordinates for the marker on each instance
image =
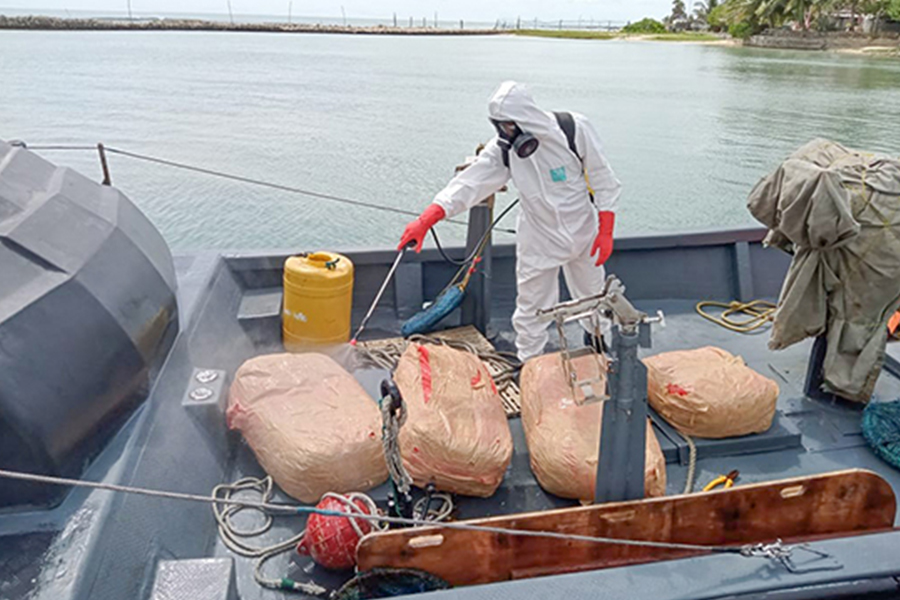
(753, 315)
(243, 179)
(386, 356)
(422, 508)
(233, 537)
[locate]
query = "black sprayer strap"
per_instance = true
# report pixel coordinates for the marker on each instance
(567, 124)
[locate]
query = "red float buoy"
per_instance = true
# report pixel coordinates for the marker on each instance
(331, 541)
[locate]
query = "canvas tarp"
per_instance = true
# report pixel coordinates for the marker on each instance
(838, 212)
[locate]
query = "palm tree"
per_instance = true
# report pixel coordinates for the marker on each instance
(702, 9)
(775, 13)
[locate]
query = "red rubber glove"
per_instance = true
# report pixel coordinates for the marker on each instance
(415, 231)
(603, 244)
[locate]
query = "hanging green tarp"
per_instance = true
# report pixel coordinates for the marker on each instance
(838, 212)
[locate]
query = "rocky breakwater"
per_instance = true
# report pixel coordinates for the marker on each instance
(797, 40)
(57, 24)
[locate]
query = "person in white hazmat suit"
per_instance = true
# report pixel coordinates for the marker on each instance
(563, 222)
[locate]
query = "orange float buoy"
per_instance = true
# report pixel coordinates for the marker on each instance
(331, 541)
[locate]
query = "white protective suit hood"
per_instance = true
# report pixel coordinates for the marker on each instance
(513, 102)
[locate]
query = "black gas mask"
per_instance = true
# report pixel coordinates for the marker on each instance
(511, 137)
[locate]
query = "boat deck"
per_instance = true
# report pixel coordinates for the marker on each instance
(807, 436)
(107, 546)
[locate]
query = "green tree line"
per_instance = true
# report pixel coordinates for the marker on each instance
(743, 18)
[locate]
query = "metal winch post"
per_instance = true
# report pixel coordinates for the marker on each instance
(476, 308)
(620, 469)
(623, 432)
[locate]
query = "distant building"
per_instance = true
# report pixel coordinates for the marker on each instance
(844, 20)
(686, 24)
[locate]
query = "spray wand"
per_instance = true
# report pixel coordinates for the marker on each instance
(380, 293)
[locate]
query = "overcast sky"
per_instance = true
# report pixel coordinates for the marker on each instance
(474, 10)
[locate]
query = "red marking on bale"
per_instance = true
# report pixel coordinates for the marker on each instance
(331, 541)
(425, 368)
(676, 390)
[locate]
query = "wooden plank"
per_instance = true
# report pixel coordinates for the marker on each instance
(833, 503)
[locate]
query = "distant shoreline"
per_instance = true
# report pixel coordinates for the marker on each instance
(37, 23)
(885, 45)
(684, 37)
(881, 45)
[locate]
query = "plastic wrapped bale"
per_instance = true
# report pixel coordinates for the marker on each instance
(564, 437)
(710, 393)
(456, 435)
(312, 427)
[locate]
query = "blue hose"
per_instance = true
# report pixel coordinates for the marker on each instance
(424, 321)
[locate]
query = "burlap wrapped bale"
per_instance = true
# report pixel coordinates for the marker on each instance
(564, 438)
(312, 427)
(456, 435)
(710, 393)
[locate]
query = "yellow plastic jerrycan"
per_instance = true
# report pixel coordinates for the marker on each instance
(318, 296)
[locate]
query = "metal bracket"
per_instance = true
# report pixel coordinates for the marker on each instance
(784, 554)
(204, 400)
(611, 301)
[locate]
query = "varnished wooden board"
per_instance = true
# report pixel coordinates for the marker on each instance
(821, 505)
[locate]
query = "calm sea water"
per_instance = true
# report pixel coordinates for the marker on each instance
(689, 129)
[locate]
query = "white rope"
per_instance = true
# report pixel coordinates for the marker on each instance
(231, 535)
(434, 514)
(692, 463)
(349, 501)
(305, 510)
(388, 355)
